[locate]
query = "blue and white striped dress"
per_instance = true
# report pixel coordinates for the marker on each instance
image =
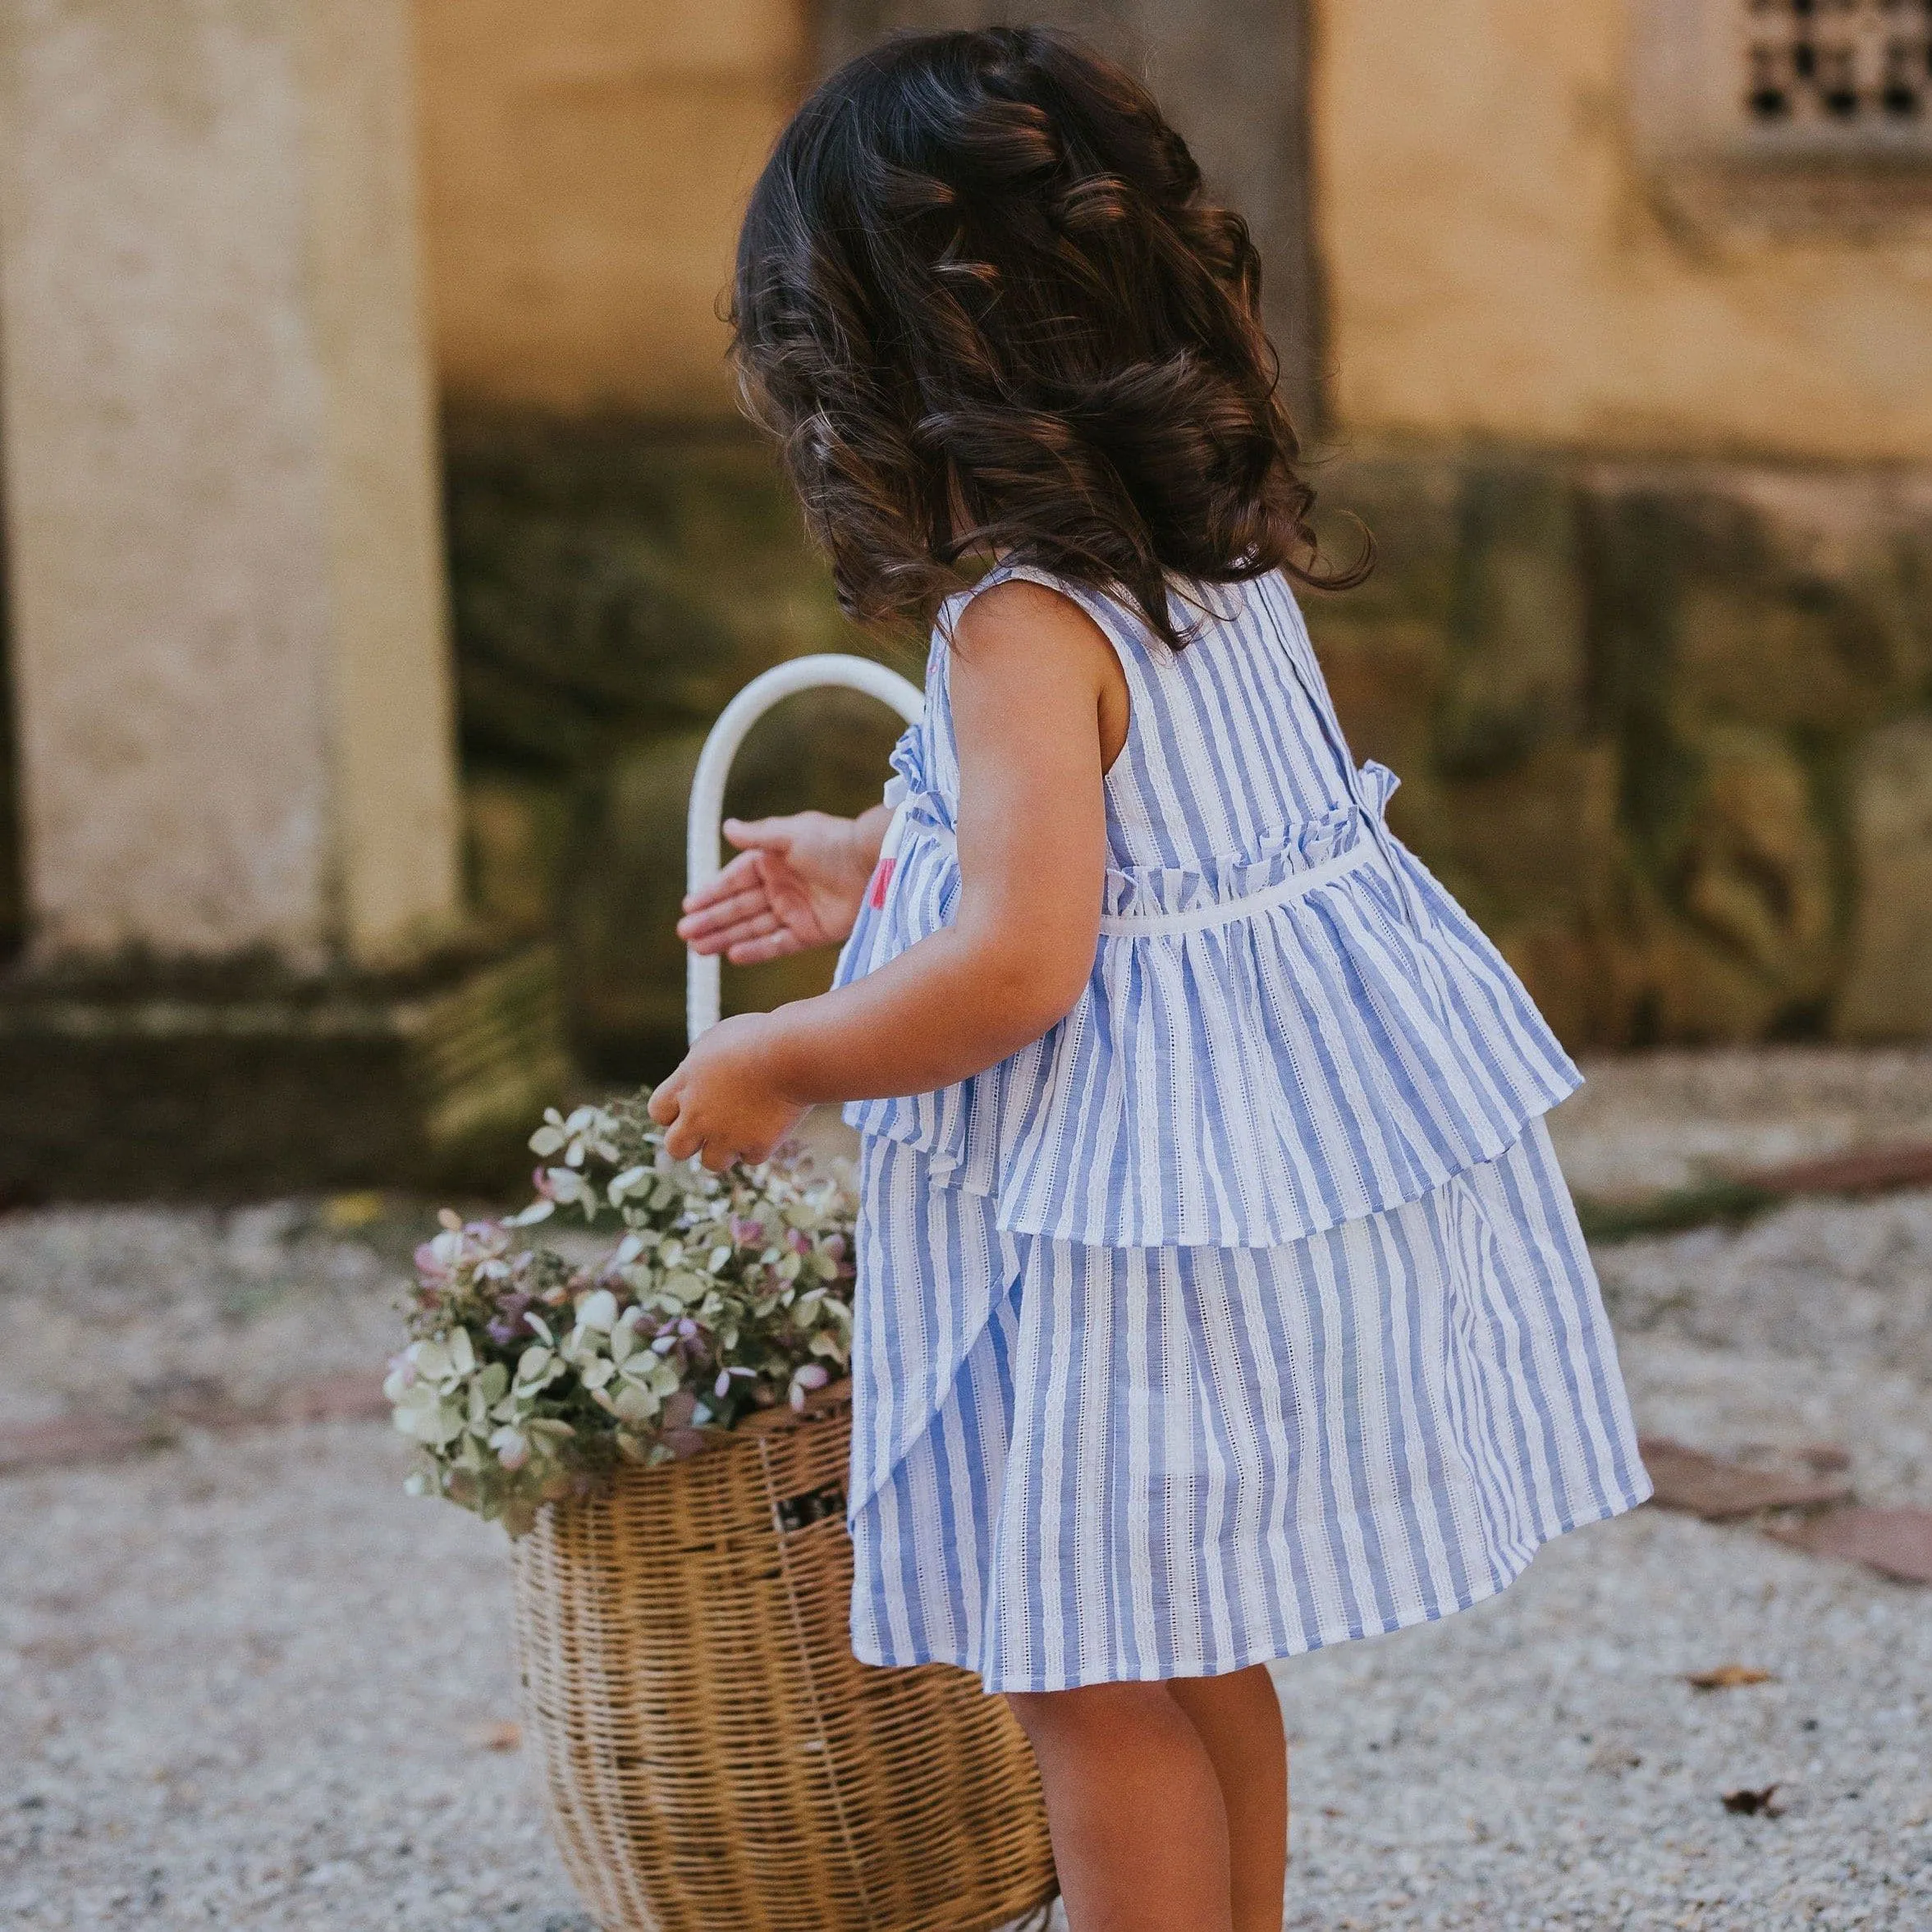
(1246, 1311)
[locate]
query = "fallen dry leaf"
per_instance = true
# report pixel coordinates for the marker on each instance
(344, 1212)
(1753, 1803)
(1899, 1542)
(505, 1735)
(1708, 1487)
(1727, 1677)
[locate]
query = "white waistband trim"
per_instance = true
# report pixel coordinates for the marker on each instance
(1225, 912)
(1228, 912)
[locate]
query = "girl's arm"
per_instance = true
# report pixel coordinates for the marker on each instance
(1039, 709)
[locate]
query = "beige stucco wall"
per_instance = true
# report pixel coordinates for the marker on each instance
(585, 163)
(1496, 264)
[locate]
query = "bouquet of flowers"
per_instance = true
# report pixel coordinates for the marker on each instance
(530, 1376)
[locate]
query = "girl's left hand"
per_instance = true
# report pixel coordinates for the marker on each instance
(722, 1102)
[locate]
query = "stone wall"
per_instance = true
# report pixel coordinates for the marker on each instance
(1666, 728)
(613, 585)
(1651, 660)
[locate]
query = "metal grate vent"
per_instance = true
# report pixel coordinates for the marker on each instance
(1855, 66)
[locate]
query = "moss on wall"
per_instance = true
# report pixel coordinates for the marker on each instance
(1647, 716)
(613, 584)
(1631, 704)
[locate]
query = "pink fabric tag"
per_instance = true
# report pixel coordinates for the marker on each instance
(881, 878)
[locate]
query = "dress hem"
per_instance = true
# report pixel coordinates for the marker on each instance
(1423, 1179)
(1268, 1651)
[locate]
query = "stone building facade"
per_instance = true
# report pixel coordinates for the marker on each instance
(1612, 322)
(1632, 327)
(1627, 364)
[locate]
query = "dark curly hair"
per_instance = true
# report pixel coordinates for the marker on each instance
(983, 304)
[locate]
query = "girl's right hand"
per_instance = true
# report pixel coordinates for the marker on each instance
(798, 882)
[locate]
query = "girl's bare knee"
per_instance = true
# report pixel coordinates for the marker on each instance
(1090, 1710)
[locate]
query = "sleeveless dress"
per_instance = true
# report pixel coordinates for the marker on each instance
(1246, 1311)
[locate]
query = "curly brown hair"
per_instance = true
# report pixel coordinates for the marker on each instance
(982, 302)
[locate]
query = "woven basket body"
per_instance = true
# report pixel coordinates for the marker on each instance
(715, 1760)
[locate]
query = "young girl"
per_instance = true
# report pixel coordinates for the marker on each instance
(1218, 1294)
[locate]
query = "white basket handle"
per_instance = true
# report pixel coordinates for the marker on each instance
(703, 857)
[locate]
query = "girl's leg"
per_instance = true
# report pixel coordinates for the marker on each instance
(1238, 1719)
(1140, 1833)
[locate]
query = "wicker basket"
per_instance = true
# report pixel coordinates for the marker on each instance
(714, 1759)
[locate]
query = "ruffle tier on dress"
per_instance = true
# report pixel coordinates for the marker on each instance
(1269, 1045)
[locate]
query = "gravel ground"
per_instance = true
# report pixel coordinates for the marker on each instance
(117, 1307)
(245, 1683)
(1667, 1119)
